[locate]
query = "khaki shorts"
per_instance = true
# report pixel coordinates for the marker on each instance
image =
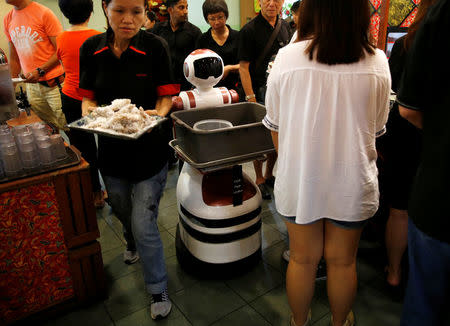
(46, 103)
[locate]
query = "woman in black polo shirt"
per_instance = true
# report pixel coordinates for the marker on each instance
(221, 39)
(126, 62)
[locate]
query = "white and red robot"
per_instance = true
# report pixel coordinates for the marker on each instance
(203, 68)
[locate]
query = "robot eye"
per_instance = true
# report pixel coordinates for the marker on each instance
(207, 67)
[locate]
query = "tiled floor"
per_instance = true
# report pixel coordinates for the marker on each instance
(256, 298)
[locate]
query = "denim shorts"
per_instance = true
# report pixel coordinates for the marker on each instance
(341, 224)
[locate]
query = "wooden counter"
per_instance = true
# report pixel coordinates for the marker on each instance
(49, 256)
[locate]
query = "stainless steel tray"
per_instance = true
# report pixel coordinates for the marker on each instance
(80, 125)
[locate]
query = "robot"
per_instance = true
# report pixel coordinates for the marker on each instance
(203, 68)
(219, 229)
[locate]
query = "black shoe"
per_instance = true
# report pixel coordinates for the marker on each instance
(321, 274)
(265, 194)
(270, 181)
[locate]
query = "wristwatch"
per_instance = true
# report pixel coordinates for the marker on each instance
(41, 72)
(249, 97)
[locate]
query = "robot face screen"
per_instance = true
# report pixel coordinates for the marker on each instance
(206, 67)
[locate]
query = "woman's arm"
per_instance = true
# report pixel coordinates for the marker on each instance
(162, 107)
(230, 68)
(275, 139)
(87, 106)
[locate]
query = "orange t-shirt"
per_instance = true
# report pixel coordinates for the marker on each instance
(29, 30)
(68, 51)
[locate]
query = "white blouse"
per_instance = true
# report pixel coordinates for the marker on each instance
(327, 119)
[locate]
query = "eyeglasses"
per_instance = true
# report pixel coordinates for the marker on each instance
(219, 18)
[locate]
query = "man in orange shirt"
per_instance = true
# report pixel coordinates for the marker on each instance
(31, 29)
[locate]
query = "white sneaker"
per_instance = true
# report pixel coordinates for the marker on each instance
(160, 306)
(130, 257)
(286, 255)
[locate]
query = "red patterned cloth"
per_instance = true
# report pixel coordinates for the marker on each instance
(34, 264)
(375, 21)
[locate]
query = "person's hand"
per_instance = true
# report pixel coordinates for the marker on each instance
(86, 111)
(32, 77)
(151, 112)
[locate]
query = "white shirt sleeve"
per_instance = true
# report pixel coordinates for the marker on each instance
(272, 101)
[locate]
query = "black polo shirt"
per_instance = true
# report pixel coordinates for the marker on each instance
(425, 87)
(253, 38)
(181, 43)
(141, 74)
(227, 51)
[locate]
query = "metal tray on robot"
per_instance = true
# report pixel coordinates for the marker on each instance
(248, 139)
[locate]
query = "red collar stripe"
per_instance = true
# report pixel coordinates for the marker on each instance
(101, 50)
(138, 51)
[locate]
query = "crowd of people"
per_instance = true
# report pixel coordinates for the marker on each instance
(327, 100)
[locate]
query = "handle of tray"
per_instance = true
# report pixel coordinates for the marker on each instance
(175, 145)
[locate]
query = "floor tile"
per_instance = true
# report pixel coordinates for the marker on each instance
(114, 266)
(142, 318)
(274, 220)
(244, 316)
(172, 177)
(127, 295)
(172, 231)
(257, 281)
(169, 198)
(178, 278)
(274, 307)
(92, 315)
(108, 238)
(168, 241)
(273, 256)
(373, 309)
(270, 236)
(168, 216)
(206, 302)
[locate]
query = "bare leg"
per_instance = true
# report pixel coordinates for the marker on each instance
(396, 242)
(306, 245)
(340, 250)
(258, 171)
(271, 159)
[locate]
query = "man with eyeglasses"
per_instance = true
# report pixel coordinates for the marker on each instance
(254, 58)
(181, 37)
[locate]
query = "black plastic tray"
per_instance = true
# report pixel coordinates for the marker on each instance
(73, 158)
(248, 137)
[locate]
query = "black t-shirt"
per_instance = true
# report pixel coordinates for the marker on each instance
(425, 86)
(141, 74)
(253, 38)
(181, 43)
(228, 53)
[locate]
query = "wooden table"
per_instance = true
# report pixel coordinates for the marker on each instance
(49, 256)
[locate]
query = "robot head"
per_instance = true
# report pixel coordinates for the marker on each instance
(203, 68)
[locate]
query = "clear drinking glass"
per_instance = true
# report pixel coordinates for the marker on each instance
(59, 149)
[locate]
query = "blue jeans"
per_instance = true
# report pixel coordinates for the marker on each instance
(136, 204)
(427, 299)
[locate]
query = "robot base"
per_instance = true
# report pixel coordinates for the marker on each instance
(199, 268)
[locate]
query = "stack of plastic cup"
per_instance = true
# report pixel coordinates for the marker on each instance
(11, 159)
(39, 129)
(59, 149)
(45, 149)
(28, 150)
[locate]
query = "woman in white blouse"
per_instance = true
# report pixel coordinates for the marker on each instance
(327, 100)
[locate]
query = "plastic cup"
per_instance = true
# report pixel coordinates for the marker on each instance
(11, 159)
(20, 129)
(39, 129)
(6, 137)
(45, 150)
(59, 149)
(212, 124)
(24, 138)
(29, 155)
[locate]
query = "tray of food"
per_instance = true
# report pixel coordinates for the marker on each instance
(121, 119)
